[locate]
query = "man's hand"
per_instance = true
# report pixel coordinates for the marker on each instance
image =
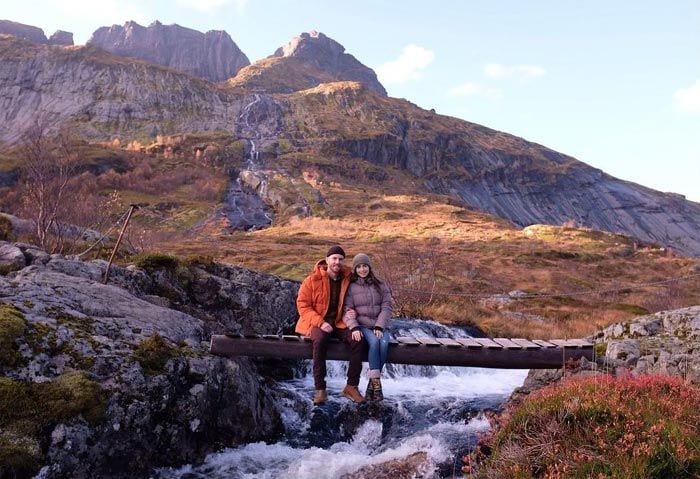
(357, 335)
(326, 327)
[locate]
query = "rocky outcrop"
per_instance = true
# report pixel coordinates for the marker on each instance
(25, 32)
(61, 37)
(102, 95)
(35, 34)
(666, 343)
(328, 55)
(212, 55)
(168, 402)
(306, 62)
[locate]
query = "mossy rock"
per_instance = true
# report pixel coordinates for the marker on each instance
(30, 411)
(153, 353)
(12, 327)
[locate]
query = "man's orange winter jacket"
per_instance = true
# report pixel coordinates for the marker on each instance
(314, 297)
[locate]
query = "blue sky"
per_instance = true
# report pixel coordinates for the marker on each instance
(615, 84)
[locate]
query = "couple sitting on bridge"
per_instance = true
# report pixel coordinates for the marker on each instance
(348, 304)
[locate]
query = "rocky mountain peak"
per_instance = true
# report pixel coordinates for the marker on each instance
(35, 34)
(212, 55)
(328, 55)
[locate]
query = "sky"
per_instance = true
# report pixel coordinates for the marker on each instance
(615, 84)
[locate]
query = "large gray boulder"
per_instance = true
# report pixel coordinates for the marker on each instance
(143, 338)
(212, 55)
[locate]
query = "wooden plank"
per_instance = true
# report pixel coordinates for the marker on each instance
(449, 342)
(405, 353)
(291, 337)
(526, 343)
(543, 343)
(507, 343)
(428, 341)
(276, 337)
(582, 343)
(469, 342)
(488, 343)
(408, 340)
(563, 343)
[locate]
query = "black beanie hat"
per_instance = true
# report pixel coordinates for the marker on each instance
(335, 250)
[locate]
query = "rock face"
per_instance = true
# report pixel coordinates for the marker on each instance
(326, 54)
(35, 34)
(25, 32)
(212, 55)
(164, 415)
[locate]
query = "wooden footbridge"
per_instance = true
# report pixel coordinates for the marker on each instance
(475, 352)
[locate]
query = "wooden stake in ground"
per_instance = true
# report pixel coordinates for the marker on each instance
(119, 240)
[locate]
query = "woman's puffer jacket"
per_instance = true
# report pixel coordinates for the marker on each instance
(372, 303)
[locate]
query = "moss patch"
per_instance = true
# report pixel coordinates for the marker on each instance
(153, 353)
(12, 327)
(29, 411)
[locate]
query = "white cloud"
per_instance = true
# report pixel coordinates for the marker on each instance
(496, 70)
(688, 99)
(475, 89)
(211, 5)
(409, 66)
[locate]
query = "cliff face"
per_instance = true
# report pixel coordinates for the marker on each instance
(212, 55)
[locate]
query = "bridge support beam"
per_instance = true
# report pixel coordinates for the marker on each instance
(484, 353)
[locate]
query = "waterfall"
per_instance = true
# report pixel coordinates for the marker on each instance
(434, 411)
(244, 207)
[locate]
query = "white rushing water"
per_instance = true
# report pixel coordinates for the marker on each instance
(436, 410)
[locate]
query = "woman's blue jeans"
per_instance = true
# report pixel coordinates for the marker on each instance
(378, 348)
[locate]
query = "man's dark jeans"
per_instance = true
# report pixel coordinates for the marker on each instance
(320, 339)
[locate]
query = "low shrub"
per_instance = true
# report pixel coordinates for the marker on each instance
(156, 260)
(632, 427)
(6, 233)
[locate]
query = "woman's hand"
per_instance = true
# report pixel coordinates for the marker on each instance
(357, 335)
(378, 333)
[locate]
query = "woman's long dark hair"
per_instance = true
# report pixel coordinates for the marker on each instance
(370, 279)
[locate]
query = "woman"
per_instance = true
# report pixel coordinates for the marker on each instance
(367, 311)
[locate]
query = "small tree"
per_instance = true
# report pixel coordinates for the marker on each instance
(49, 164)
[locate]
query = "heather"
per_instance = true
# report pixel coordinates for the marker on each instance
(597, 427)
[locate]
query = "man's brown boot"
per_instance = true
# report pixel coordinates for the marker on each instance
(320, 396)
(353, 394)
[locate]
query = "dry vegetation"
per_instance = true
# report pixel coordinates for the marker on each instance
(443, 260)
(597, 427)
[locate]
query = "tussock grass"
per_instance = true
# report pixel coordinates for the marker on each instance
(633, 427)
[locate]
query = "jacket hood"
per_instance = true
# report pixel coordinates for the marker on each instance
(321, 269)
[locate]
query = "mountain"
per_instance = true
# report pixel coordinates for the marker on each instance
(331, 126)
(211, 55)
(34, 34)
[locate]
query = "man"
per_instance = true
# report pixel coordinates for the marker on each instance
(320, 305)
